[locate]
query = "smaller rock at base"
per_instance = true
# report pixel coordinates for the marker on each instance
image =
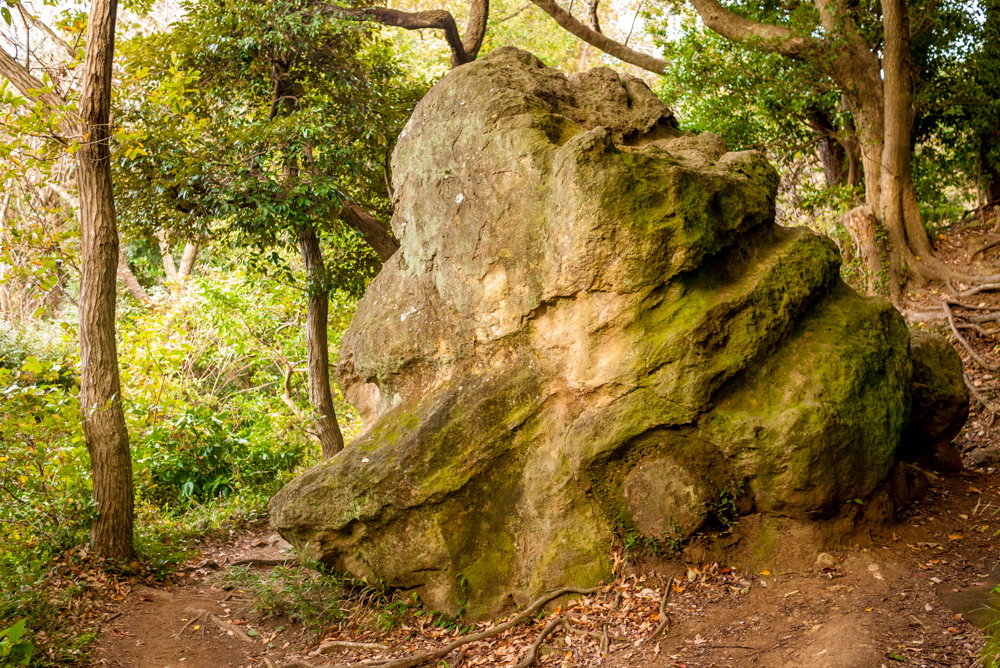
(824, 560)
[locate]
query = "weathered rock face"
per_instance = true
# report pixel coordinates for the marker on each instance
(592, 325)
(940, 403)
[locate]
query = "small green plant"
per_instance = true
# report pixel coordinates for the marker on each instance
(989, 655)
(303, 590)
(724, 508)
(13, 651)
(391, 616)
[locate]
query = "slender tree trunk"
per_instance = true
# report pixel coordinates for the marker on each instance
(188, 257)
(166, 257)
(100, 386)
(832, 153)
(125, 274)
(317, 314)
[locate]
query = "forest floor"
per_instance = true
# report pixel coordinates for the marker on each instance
(915, 593)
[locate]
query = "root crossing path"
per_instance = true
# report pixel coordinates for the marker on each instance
(912, 595)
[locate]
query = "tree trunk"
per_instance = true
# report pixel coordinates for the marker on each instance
(320, 396)
(100, 385)
(125, 274)
(832, 153)
(166, 257)
(870, 243)
(188, 257)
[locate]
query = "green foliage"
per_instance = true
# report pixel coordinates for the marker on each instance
(303, 590)
(203, 379)
(251, 153)
(13, 651)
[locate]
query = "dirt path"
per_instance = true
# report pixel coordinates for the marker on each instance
(909, 597)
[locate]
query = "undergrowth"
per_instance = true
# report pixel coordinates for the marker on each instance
(211, 440)
(304, 591)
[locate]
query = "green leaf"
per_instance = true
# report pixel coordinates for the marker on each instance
(6, 14)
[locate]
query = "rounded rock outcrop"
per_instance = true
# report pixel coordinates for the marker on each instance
(592, 326)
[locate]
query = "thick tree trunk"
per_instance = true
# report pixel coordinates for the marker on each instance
(320, 396)
(100, 386)
(870, 242)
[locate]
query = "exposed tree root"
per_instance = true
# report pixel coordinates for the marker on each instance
(262, 562)
(427, 657)
(664, 624)
(221, 623)
(194, 619)
(984, 248)
(961, 339)
(532, 656)
(332, 645)
(978, 396)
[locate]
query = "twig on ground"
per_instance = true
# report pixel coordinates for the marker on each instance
(618, 599)
(664, 620)
(601, 638)
(532, 656)
(297, 663)
(972, 352)
(434, 655)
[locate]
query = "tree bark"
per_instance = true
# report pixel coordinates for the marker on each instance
(832, 152)
(166, 257)
(188, 257)
(317, 314)
(100, 385)
(375, 233)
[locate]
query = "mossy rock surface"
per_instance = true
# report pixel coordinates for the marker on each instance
(592, 326)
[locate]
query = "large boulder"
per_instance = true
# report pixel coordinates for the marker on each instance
(592, 326)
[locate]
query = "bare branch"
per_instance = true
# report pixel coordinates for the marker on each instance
(29, 86)
(592, 16)
(736, 28)
(609, 46)
(439, 19)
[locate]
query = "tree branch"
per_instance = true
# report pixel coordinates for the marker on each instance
(475, 29)
(736, 28)
(439, 19)
(609, 46)
(374, 232)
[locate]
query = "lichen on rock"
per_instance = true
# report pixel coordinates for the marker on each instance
(592, 326)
